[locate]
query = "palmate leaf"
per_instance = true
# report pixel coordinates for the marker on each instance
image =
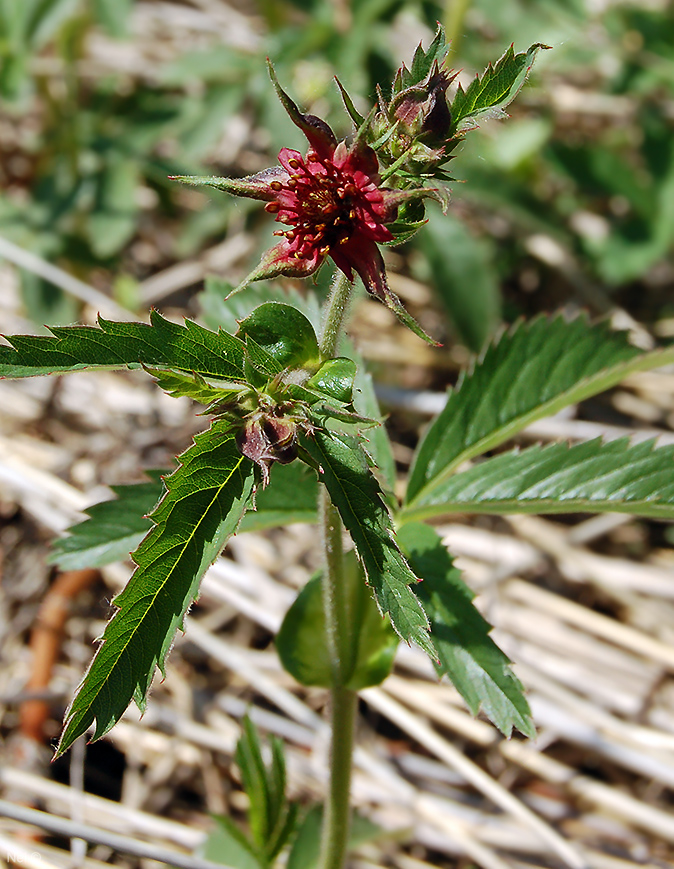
(345, 470)
(162, 344)
(532, 371)
(205, 500)
(489, 94)
(593, 477)
(114, 528)
(468, 656)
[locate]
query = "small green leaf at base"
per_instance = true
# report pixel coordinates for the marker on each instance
(228, 844)
(302, 640)
(476, 666)
(305, 852)
(345, 470)
(205, 499)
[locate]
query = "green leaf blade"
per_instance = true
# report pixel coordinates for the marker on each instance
(291, 496)
(590, 477)
(113, 530)
(488, 95)
(205, 500)
(468, 656)
(302, 640)
(532, 371)
(345, 470)
(161, 344)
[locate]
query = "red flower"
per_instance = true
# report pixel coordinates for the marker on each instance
(334, 205)
(335, 208)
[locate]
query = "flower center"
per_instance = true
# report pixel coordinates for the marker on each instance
(324, 205)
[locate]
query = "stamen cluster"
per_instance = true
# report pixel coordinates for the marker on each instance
(330, 203)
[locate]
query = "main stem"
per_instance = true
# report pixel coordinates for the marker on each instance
(337, 813)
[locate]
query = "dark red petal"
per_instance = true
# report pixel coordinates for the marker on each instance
(282, 260)
(320, 136)
(361, 255)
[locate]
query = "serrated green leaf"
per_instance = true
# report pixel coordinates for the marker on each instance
(591, 477)
(205, 500)
(194, 386)
(302, 640)
(291, 496)
(476, 666)
(162, 344)
(489, 94)
(422, 62)
(345, 470)
(532, 371)
(115, 528)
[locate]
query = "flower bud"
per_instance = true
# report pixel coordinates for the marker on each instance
(422, 110)
(266, 438)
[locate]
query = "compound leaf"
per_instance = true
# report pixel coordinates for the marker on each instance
(345, 470)
(468, 656)
(162, 344)
(532, 371)
(594, 477)
(204, 502)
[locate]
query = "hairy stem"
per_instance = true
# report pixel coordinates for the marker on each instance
(337, 814)
(337, 307)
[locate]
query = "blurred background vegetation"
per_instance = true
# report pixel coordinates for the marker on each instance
(568, 203)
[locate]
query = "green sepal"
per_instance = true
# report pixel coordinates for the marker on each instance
(250, 187)
(195, 386)
(353, 112)
(284, 334)
(335, 379)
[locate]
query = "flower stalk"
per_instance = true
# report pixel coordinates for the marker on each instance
(343, 701)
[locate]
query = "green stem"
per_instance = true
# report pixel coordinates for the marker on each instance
(337, 307)
(455, 12)
(337, 813)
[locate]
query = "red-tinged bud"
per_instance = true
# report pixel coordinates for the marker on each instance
(266, 438)
(422, 111)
